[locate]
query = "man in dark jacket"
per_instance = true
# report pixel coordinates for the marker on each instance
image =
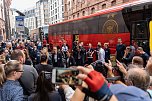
(57, 59)
(70, 61)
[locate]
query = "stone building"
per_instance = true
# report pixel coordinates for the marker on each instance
(78, 8)
(2, 19)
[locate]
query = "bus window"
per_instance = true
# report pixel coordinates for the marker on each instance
(140, 34)
(139, 30)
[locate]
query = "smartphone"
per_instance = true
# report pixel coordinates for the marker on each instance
(65, 76)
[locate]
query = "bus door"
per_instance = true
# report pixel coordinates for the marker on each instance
(140, 35)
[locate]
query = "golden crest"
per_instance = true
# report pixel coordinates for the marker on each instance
(110, 26)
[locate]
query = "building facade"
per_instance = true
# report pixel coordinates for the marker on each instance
(56, 11)
(5, 30)
(30, 20)
(2, 20)
(7, 4)
(42, 12)
(78, 8)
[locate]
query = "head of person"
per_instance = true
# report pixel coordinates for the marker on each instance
(137, 60)
(2, 75)
(106, 45)
(44, 86)
(149, 66)
(6, 52)
(13, 69)
(138, 77)
(128, 49)
(90, 45)
(140, 50)
(55, 50)
(99, 44)
(44, 58)
(21, 43)
(119, 41)
(64, 44)
(26, 54)
(18, 55)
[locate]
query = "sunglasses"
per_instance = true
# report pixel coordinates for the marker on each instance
(20, 71)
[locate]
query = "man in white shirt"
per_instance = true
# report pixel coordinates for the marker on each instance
(101, 53)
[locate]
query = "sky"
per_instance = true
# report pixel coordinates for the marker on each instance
(23, 4)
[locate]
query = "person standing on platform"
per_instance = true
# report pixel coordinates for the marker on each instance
(107, 52)
(90, 52)
(120, 48)
(101, 53)
(82, 53)
(57, 60)
(70, 61)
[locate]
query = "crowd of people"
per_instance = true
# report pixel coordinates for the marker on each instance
(24, 63)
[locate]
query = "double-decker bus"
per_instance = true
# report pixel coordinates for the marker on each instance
(131, 22)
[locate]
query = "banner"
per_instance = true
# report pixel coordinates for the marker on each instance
(19, 24)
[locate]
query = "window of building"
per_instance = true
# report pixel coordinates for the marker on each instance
(55, 10)
(62, 15)
(77, 15)
(73, 16)
(56, 17)
(113, 3)
(124, 1)
(62, 8)
(103, 6)
(69, 5)
(55, 4)
(92, 10)
(83, 13)
(73, 2)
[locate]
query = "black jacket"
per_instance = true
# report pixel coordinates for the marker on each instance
(70, 62)
(59, 62)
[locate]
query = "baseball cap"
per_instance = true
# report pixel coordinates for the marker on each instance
(129, 93)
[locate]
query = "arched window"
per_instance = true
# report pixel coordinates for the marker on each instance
(103, 6)
(113, 3)
(92, 10)
(69, 5)
(83, 13)
(77, 15)
(73, 16)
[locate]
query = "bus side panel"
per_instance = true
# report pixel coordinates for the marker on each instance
(58, 40)
(110, 38)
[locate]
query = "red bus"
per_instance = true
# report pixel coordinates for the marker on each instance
(130, 21)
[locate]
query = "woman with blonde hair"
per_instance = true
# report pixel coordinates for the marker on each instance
(2, 75)
(11, 89)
